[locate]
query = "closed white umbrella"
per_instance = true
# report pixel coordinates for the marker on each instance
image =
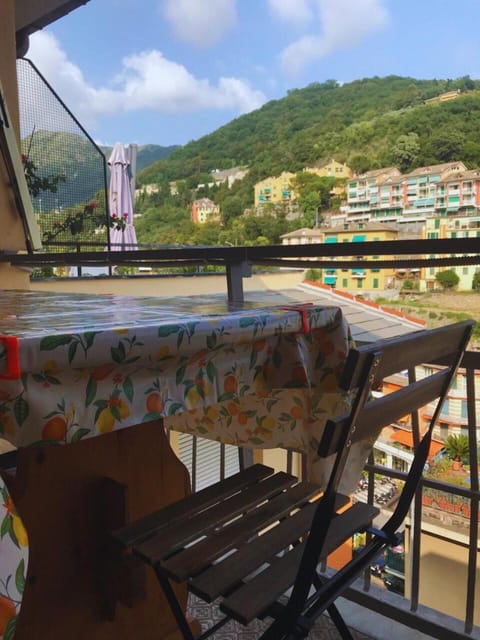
(121, 202)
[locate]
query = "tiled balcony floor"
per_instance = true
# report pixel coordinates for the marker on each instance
(324, 628)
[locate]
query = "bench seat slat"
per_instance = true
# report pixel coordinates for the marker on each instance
(174, 537)
(253, 598)
(193, 504)
(219, 578)
(192, 560)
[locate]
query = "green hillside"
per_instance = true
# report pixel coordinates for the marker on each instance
(80, 162)
(359, 123)
(369, 123)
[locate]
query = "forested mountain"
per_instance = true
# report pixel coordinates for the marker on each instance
(359, 123)
(368, 124)
(81, 164)
(147, 154)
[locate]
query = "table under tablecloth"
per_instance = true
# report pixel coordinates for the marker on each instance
(75, 366)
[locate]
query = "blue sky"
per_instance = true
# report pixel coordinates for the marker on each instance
(169, 71)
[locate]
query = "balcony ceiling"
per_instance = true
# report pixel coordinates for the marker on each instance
(32, 16)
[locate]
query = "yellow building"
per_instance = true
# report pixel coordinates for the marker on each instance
(331, 169)
(450, 227)
(275, 190)
(367, 277)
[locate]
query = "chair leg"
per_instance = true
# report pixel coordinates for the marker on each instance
(339, 622)
(335, 615)
(174, 605)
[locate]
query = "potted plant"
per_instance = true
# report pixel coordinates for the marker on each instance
(457, 448)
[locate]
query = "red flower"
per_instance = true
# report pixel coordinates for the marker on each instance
(94, 205)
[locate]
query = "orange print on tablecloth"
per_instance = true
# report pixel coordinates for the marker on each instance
(259, 345)
(55, 429)
(154, 403)
(102, 371)
(242, 418)
(230, 384)
(7, 611)
(297, 412)
(232, 408)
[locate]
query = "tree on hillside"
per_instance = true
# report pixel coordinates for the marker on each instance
(447, 279)
(445, 145)
(232, 208)
(314, 194)
(405, 151)
(360, 163)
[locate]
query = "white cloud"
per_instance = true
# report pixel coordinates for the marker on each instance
(344, 23)
(65, 77)
(202, 24)
(147, 81)
(297, 12)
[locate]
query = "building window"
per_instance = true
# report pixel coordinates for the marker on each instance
(344, 282)
(375, 283)
(359, 283)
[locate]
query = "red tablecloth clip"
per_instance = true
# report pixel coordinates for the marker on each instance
(13, 358)
(302, 310)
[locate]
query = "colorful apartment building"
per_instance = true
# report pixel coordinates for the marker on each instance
(275, 190)
(366, 277)
(363, 192)
(205, 210)
(386, 195)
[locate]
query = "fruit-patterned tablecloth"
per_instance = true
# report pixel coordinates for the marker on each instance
(75, 366)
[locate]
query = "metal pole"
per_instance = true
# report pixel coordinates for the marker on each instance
(132, 151)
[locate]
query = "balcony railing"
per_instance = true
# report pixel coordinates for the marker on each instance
(435, 620)
(416, 609)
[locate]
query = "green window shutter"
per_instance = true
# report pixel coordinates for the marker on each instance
(375, 283)
(359, 284)
(344, 282)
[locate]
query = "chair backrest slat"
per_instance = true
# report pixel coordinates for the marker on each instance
(383, 411)
(403, 352)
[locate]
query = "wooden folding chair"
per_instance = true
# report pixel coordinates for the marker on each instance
(248, 539)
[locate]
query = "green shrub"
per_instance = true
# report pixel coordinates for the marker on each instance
(313, 274)
(42, 272)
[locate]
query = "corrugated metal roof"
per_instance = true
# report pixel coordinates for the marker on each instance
(367, 324)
